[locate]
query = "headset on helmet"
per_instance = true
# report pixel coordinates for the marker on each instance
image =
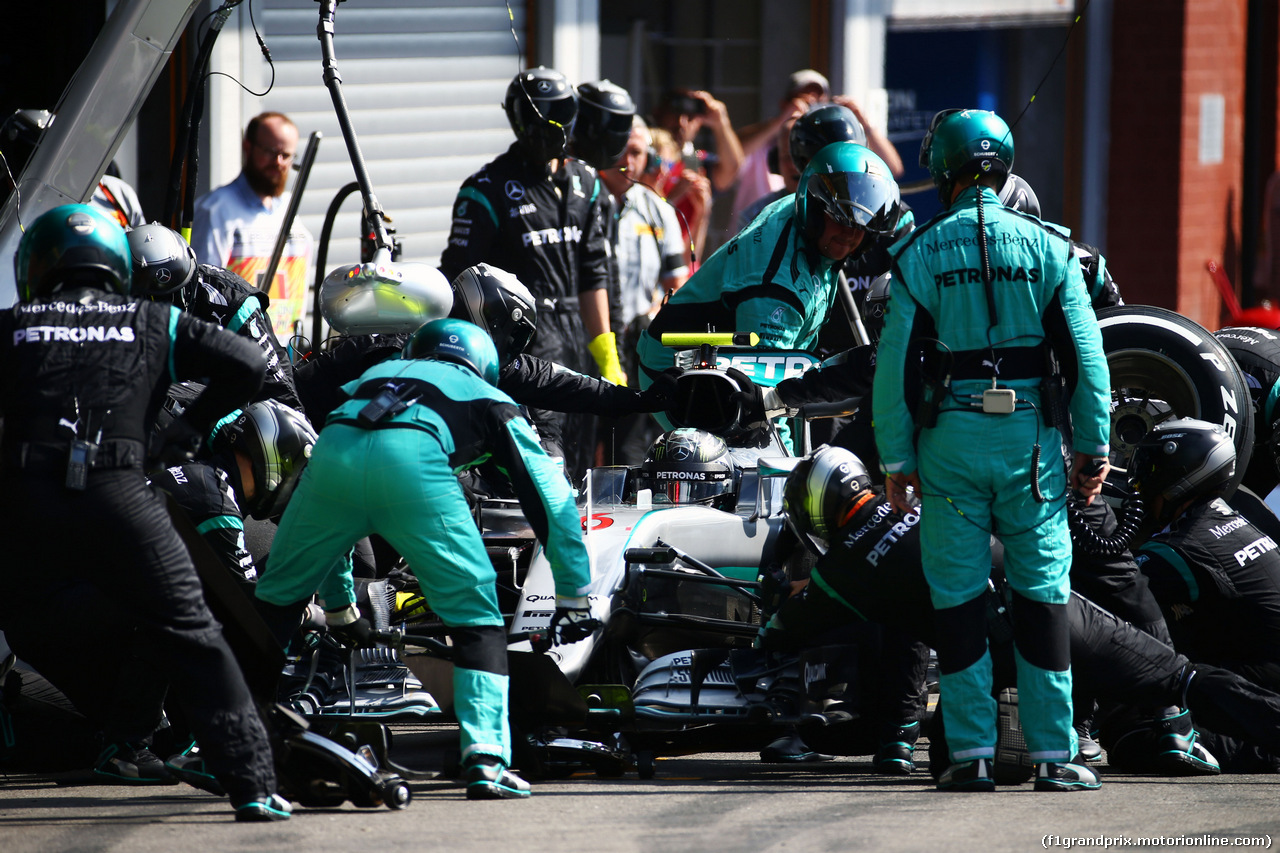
(1182, 459)
(686, 466)
(278, 441)
(497, 302)
(73, 245)
(962, 143)
(603, 125)
(821, 126)
(1017, 194)
(819, 493)
(163, 263)
(852, 185)
(875, 305)
(541, 106)
(458, 341)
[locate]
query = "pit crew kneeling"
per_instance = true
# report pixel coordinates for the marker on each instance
(870, 569)
(385, 463)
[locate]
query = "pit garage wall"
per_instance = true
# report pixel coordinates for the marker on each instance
(1178, 130)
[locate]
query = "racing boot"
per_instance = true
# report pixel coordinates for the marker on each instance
(126, 764)
(968, 776)
(188, 766)
(895, 757)
(263, 809)
(1061, 776)
(1087, 749)
(1168, 745)
(488, 778)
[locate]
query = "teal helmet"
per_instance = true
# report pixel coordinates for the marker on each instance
(853, 186)
(76, 245)
(963, 142)
(458, 341)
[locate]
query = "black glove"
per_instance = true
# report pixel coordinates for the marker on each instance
(350, 628)
(661, 395)
(177, 443)
(572, 621)
(750, 397)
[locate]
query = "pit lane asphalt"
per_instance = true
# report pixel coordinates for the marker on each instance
(708, 802)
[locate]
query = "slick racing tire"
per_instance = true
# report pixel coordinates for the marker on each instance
(1165, 366)
(1257, 352)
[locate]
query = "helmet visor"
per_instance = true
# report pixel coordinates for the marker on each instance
(926, 144)
(857, 200)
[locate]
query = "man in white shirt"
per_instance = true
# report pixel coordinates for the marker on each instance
(236, 225)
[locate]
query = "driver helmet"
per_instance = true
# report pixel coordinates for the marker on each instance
(966, 142)
(875, 305)
(541, 106)
(688, 466)
(851, 184)
(278, 442)
(73, 245)
(458, 341)
(603, 125)
(821, 126)
(497, 302)
(164, 264)
(1017, 194)
(1181, 460)
(820, 491)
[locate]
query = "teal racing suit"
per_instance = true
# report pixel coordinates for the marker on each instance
(766, 280)
(396, 476)
(975, 468)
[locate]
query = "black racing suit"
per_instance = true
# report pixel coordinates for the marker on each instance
(320, 378)
(530, 381)
(551, 232)
(205, 492)
(872, 570)
(94, 366)
(1217, 578)
(225, 299)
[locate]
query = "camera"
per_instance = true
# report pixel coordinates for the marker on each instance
(687, 105)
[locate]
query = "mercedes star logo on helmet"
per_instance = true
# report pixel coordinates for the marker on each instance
(163, 275)
(681, 452)
(545, 86)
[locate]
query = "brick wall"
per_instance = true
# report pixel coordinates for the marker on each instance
(1169, 213)
(1210, 208)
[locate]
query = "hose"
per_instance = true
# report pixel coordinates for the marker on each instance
(322, 254)
(1090, 541)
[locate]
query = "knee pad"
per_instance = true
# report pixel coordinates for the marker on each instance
(1041, 633)
(482, 647)
(962, 635)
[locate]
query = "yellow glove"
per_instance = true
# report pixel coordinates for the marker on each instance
(604, 349)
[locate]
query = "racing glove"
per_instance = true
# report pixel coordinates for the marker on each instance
(347, 625)
(604, 349)
(661, 395)
(572, 621)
